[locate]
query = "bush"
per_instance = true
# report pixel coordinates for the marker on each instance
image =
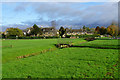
(37, 37)
(11, 37)
(29, 37)
(85, 36)
(49, 37)
(3, 36)
(68, 36)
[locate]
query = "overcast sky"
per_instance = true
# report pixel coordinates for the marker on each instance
(67, 14)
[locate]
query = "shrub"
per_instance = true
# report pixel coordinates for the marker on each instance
(85, 36)
(11, 37)
(68, 36)
(49, 37)
(37, 37)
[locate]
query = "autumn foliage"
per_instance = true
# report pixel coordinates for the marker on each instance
(112, 30)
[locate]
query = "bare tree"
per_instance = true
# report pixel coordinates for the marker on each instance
(53, 24)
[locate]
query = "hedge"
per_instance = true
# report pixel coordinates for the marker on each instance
(49, 37)
(39, 37)
(11, 37)
(84, 36)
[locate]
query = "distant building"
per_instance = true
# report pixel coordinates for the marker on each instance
(89, 33)
(6, 31)
(27, 31)
(49, 31)
(74, 32)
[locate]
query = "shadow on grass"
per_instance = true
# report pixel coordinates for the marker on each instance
(93, 46)
(96, 47)
(105, 39)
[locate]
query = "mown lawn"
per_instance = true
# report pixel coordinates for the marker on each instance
(102, 43)
(23, 47)
(72, 62)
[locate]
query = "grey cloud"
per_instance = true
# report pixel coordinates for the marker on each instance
(103, 14)
(108, 13)
(56, 10)
(19, 8)
(22, 6)
(21, 26)
(66, 15)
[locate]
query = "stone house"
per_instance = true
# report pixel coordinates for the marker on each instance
(6, 31)
(49, 31)
(74, 32)
(27, 31)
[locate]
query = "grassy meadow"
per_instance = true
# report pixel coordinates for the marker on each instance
(73, 62)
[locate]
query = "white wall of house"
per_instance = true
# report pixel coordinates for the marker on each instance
(24, 33)
(28, 31)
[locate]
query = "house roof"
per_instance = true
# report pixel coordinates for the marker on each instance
(26, 30)
(74, 30)
(48, 29)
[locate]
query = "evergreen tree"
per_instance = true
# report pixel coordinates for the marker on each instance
(36, 30)
(62, 31)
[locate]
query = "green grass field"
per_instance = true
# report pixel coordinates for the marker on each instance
(22, 47)
(101, 43)
(73, 62)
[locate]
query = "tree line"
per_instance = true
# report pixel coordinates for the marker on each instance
(111, 30)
